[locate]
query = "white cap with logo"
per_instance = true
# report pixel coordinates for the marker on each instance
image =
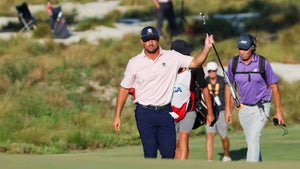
(211, 66)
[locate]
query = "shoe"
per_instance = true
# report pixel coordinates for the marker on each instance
(226, 159)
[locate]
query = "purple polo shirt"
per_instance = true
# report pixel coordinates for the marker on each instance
(154, 80)
(252, 87)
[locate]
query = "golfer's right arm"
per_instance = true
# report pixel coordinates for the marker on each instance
(156, 4)
(121, 99)
(229, 105)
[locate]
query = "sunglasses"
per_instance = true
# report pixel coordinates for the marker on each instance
(212, 71)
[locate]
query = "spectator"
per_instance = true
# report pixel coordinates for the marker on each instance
(216, 86)
(60, 29)
(164, 9)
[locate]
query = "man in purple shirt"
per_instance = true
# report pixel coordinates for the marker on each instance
(255, 95)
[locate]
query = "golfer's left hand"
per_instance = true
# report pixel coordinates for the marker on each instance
(209, 40)
(279, 116)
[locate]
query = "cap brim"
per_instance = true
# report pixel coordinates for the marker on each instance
(146, 38)
(241, 46)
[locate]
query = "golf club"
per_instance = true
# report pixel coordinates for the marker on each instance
(237, 103)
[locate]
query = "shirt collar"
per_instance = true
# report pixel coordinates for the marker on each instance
(161, 52)
(253, 59)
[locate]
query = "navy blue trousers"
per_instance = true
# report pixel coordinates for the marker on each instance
(157, 131)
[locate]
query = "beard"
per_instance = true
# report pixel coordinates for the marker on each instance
(151, 51)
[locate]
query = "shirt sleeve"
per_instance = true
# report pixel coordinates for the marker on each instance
(129, 76)
(183, 60)
(272, 78)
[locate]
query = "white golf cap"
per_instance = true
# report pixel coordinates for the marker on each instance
(211, 66)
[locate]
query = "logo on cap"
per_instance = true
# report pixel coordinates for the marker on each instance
(243, 42)
(149, 31)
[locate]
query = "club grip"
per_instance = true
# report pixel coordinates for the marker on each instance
(236, 100)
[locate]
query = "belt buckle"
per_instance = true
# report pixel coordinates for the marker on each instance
(152, 107)
(156, 108)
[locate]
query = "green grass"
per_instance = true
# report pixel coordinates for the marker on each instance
(47, 105)
(278, 152)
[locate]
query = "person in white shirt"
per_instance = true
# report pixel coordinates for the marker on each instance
(153, 73)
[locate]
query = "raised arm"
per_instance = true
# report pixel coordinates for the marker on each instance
(200, 58)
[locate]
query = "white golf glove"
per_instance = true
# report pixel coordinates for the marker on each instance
(218, 101)
(174, 115)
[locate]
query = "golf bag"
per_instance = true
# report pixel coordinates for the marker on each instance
(201, 110)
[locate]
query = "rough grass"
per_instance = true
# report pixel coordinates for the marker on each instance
(56, 98)
(278, 152)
